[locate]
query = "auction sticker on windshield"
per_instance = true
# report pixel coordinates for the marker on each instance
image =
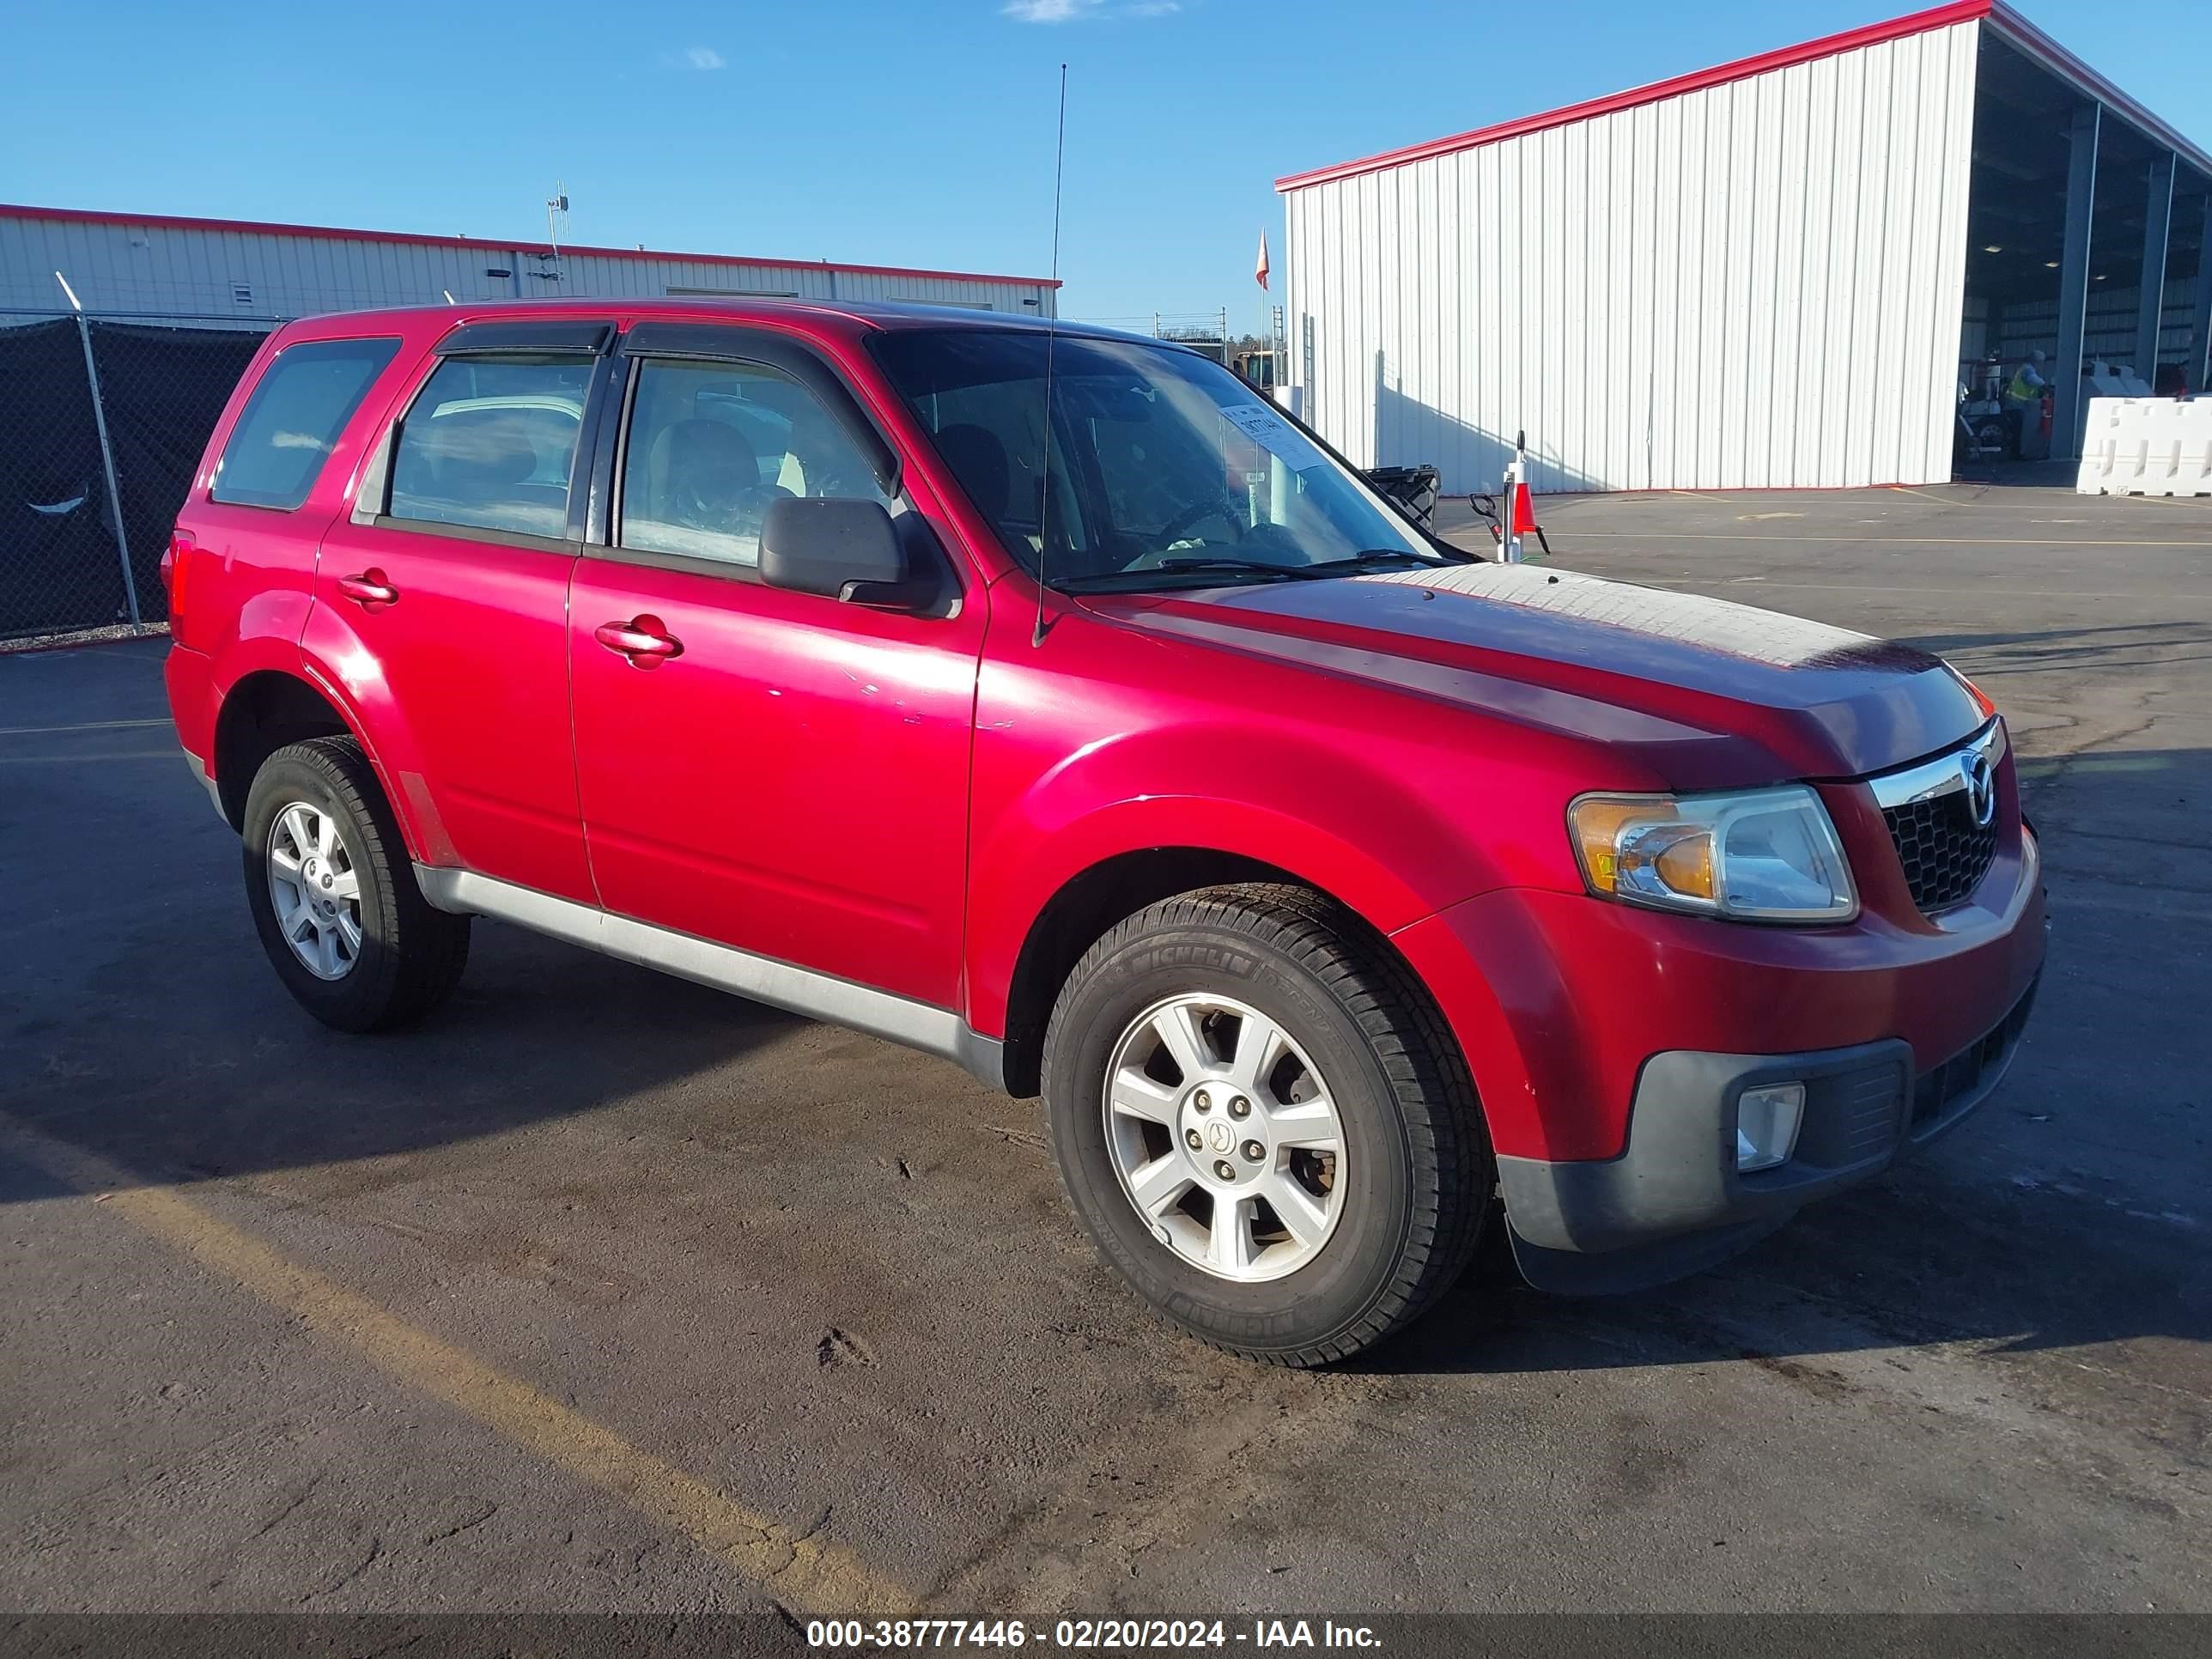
(1273, 434)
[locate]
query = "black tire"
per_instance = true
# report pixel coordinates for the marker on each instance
(411, 954)
(1418, 1162)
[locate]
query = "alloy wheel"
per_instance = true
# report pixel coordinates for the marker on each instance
(315, 890)
(1225, 1137)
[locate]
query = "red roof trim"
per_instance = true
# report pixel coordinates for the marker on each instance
(1919, 22)
(331, 233)
(2016, 31)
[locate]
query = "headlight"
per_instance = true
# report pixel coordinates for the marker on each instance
(1767, 855)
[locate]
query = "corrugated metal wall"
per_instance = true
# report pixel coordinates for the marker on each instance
(178, 270)
(1757, 284)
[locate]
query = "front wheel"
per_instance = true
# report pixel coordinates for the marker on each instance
(1259, 1119)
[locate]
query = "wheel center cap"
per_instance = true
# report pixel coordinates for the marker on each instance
(1220, 1137)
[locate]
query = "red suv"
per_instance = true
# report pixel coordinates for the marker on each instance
(1044, 700)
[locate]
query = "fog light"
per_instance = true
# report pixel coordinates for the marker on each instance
(1766, 1120)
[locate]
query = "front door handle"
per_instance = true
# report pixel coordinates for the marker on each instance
(645, 640)
(372, 586)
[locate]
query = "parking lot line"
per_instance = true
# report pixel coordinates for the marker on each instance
(81, 726)
(804, 1574)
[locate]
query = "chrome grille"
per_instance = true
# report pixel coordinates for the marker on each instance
(1942, 815)
(1944, 852)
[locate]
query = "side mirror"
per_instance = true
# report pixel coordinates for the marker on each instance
(841, 549)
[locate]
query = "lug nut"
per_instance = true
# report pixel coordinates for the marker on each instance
(1190, 1138)
(1203, 1101)
(1240, 1106)
(1254, 1150)
(1226, 1169)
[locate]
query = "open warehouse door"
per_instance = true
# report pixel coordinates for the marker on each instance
(2085, 271)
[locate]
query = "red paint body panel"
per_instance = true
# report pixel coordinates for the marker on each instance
(1114, 737)
(250, 587)
(1557, 999)
(894, 801)
(1702, 694)
(189, 677)
(793, 784)
(464, 682)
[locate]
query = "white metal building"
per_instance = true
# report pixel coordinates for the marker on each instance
(153, 266)
(1775, 273)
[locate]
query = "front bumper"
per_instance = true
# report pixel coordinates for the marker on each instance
(1673, 1202)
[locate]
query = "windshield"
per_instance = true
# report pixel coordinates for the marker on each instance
(1165, 468)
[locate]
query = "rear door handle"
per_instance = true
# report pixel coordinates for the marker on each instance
(372, 586)
(645, 640)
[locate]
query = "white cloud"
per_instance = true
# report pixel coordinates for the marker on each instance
(703, 58)
(1075, 11)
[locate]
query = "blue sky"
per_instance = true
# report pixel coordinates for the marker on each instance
(905, 134)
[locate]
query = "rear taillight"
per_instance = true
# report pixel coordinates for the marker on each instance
(176, 567)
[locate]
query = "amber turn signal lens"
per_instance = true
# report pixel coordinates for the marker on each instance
(1619, 839)
(1598, 825)
(1684, 864)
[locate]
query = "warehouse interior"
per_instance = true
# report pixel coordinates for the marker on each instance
(2070, 199)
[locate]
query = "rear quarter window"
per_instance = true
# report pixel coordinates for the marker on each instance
(292, 421)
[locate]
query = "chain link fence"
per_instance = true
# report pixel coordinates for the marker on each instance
(102, 420)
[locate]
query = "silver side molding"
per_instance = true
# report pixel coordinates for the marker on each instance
(818, 996)
(1930, 780)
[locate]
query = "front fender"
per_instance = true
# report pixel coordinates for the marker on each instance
(1352, 830)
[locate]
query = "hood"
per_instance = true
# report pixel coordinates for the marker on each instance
(1706, 694)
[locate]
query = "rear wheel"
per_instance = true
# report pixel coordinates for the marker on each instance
(334, 896)
(1259, 1119)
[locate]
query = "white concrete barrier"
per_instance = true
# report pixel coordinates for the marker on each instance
(2146, 447)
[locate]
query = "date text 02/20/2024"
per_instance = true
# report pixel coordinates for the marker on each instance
(1082, 1635)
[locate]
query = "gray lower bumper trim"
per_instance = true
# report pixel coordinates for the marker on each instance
(1679, 1172)
(1674, 1203)
(214, 793)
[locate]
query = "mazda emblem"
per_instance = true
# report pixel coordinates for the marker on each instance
(1981, 787)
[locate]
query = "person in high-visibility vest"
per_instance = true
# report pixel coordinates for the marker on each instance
(2023, 399)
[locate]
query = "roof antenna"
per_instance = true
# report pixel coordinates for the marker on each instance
(1051, 331)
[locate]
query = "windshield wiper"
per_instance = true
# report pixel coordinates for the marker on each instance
(1373, 558)
(1184, 568)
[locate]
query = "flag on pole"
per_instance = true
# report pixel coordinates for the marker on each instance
(1259, 270)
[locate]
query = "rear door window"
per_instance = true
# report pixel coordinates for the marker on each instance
(490, 443)
(292, 421)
